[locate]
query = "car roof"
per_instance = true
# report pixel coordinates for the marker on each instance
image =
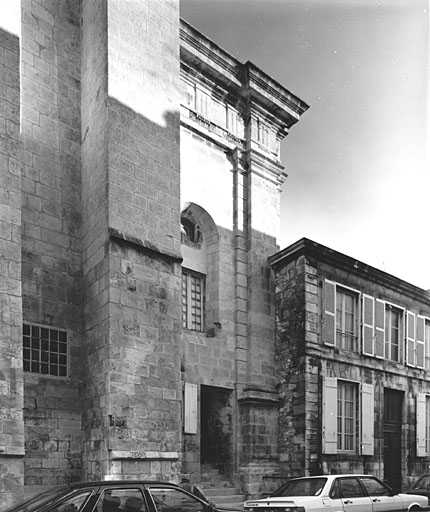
(332, 476)
(123, 482)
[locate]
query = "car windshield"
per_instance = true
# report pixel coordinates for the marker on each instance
(301, 487)
(423, 483)
(33, 503)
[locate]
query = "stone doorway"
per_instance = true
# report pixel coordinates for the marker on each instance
(216, 420)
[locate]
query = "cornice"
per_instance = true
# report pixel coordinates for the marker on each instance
(259, 85)
(265, 167)
(246, 81)
(143, 246)
(311, 249)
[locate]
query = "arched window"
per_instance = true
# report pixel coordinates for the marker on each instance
(191, 232)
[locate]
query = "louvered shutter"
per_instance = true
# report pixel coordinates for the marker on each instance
(410, 338)
(421, 425)
(329, 325)
(190, 408)
(368, 325)
(419, 341)
(379, 328)
(367, 419)
(329, 415)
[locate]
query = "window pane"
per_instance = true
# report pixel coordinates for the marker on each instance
(345, 319)
(351, 488)
(192, 301)
(167, 500)
(346, 416)
(43, 356)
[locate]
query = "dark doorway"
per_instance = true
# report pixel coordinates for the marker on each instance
(393, 407)
(216, 428)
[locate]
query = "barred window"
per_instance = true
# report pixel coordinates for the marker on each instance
(193, 292)
(45, 350)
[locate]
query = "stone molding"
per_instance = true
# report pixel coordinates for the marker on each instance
(143, 246)
(146, 455)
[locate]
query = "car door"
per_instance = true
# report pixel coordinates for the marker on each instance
(381, 495)
(169, 499)
(353, 495)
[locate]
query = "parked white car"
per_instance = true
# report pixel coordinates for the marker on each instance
(337, 493)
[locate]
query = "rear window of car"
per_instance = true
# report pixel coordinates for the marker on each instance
(301, 487)
(47, 497)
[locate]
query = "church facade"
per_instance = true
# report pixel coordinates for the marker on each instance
(140, 190)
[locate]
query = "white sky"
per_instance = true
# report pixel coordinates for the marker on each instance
(358, 160)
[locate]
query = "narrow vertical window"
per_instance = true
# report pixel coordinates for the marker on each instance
(192, 300)
(346, 337)
(427, 344)
(346, 416)
(392, 333)
(427, 438)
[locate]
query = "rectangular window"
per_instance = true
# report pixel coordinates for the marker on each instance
(45, 350)
(427, 427)
(346, 337)
(341, 313)
(346, 416)
(193, 292)
(393, 324)
(427, 343)
(203, 103)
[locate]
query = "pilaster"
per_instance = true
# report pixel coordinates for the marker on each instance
(132, 238)
(11, 371)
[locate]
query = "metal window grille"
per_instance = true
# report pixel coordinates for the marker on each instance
(45, 350)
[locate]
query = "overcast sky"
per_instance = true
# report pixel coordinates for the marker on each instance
(358, 159)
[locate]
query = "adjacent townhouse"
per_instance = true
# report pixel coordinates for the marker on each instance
(353, 367)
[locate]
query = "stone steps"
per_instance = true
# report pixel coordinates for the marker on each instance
(221, 491)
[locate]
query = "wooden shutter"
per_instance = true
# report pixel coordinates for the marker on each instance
(190, 408)
(379, 328)
(368, 325)
(367, 419)
(410, 338)
(329, 325)
(419, 341)
(329, 415)
(421, 424)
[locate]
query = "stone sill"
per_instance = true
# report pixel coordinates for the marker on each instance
(12, 451)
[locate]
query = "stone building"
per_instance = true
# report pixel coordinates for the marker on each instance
(353, 367)
(140, 180)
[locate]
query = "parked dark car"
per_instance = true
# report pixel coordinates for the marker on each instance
(421, 486)
(116, 496)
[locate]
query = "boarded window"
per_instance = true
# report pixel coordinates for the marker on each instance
(329, 320)
(190, 408)
(368, 305)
